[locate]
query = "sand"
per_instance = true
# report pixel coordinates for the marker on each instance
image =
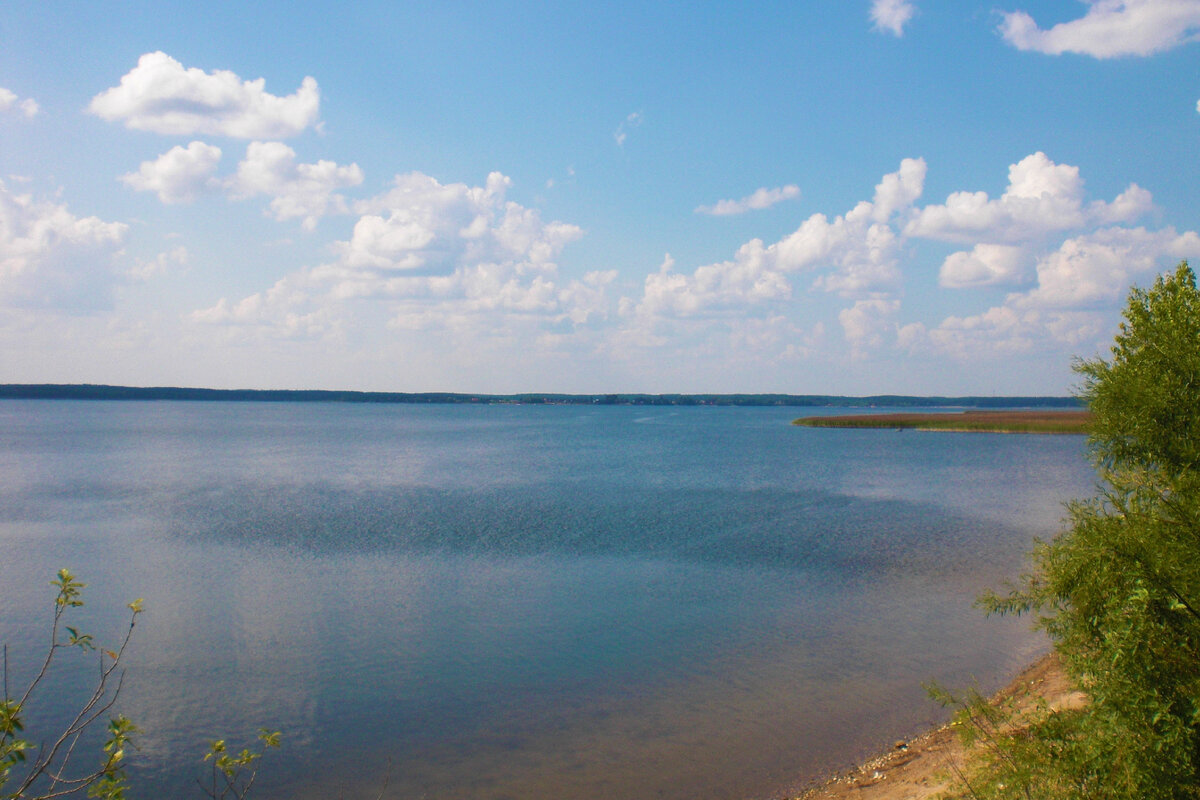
(923, 768)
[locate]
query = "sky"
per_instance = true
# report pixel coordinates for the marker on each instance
(841, 197)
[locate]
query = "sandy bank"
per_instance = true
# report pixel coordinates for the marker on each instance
(924, 767)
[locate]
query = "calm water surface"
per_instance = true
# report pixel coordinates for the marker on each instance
(519, 601)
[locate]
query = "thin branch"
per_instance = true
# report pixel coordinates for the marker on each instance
(387, 778)
(87, 716)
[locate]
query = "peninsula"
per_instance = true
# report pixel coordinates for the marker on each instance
(1021, 421)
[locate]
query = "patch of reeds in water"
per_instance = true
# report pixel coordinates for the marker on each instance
(1040, 421)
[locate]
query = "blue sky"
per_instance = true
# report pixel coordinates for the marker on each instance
(860, 197)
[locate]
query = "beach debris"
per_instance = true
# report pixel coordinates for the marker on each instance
(901, 745)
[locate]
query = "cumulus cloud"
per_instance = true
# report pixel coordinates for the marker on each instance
(1078, 284)
(1042, 197)
(1095, 269)
(424, 227)
(432, 252)
(899, 190)
(864, 258)
(985, 265)
(890, 16)
(49, 258)
(178, 175)
(162, 96)
(10, 102)
(1070, 260)
(760, 199)
(750, 277)
(298, 191)
(472, 271)
(854, 253)
(1110, 29)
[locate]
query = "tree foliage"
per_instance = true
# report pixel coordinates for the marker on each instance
(1119, 590)
(233, 774)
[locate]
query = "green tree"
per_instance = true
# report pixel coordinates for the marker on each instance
(1119, 590)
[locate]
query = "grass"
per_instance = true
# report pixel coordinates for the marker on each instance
(1040, 421)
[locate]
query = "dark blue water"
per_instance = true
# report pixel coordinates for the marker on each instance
(517, 601)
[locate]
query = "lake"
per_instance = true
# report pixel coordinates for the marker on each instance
(518, 601)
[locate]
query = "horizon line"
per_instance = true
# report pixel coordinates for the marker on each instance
(93, 391)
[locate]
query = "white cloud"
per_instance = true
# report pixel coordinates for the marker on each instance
(855, 254)
(985, 265)
(868, 324)
(760, 199)
(178, 175)
(1096, 269)
(421, 226)
(10, 102)
(864, 261)
(747, 279)
(1110, 28)
(622, 132)
(1070, 288)
(474, 276)
(286, 310)
(161, 96)
(1042, 197)
(432, 253)
(774, 335)
(1078, 286)
(999, 331)
(1129, 205)
(49, 258)
(298, 191)
(587, 300)
(891, 15)
(899, 190)
(161, 264)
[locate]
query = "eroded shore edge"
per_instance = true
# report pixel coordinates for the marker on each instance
(925, 767)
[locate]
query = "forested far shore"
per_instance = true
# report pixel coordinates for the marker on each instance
(71, 391)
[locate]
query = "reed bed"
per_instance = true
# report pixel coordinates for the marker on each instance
(1039, 421)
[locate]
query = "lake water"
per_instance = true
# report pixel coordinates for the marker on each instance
(519, 601)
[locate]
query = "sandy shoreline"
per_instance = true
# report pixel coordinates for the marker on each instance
(922, 768)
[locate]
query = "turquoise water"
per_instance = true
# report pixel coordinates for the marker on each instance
(520, 601)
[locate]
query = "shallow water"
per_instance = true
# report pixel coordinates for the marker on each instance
(520, 601)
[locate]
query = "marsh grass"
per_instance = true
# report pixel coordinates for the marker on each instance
(1040, 421)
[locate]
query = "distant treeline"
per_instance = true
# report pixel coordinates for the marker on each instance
(58, 391)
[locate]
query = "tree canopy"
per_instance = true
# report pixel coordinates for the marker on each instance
(1119, 590)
